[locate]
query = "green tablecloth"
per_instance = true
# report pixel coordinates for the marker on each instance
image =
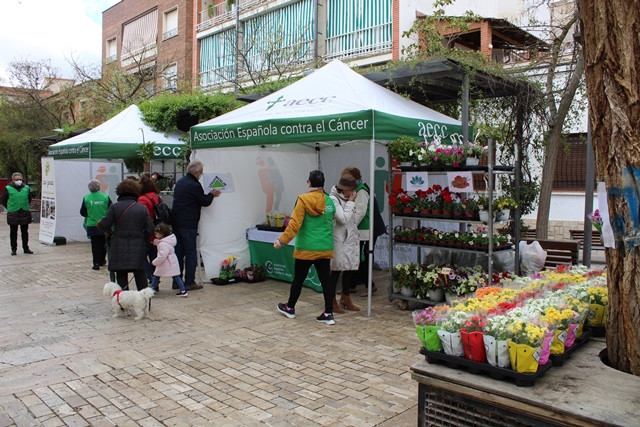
(279, 263)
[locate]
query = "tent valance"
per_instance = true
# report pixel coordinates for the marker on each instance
(118, 138)
(334, 103)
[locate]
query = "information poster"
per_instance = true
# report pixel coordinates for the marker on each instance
(217, 181)
(48, 202)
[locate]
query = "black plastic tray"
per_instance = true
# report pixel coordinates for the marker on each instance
(266, 227)
(223, 282)
(558, 359)
(521, 380)
(596, 331)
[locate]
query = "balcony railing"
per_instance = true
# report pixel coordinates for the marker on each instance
(219, 13)
(362, 42)
(169, 34)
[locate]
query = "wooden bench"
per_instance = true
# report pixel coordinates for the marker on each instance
(559, 252)
(596, 238)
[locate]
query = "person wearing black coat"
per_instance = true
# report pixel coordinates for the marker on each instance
(188, 198)
(130, 226)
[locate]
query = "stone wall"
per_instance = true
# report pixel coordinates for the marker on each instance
(558, 230)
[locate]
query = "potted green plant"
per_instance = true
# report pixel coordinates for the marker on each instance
(403, 148)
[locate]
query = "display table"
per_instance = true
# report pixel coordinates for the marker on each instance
(279, 263)
(584, 391)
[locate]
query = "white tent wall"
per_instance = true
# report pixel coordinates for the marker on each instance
(223, 225)
(72, 177)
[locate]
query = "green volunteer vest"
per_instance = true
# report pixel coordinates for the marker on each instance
(97, 204)
(316, 232)
(364, 224)
(18, 200)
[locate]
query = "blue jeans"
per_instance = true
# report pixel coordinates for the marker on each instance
(187, 253)
(155, 280)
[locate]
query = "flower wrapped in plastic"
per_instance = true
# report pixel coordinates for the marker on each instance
(598, 302)
(496, 334)
(449, 332)
(472, 333)
(228, 268)
(596, 220)
(426, 322)
(525, 346)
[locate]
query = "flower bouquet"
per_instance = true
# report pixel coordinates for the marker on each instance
(426, 322)
(596, 220)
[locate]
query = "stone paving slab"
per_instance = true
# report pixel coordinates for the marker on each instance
(222, 356)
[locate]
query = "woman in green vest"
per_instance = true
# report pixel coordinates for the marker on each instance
(94, 207)
(16, 198)
(311, 223)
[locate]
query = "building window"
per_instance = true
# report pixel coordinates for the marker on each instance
(571, 164)
(139, 36)
(171, 77)
(358, 27)
(281, 38)
(170, 24)
(112, 50)
(218, 58)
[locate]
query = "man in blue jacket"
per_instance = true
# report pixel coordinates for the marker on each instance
(188, 198)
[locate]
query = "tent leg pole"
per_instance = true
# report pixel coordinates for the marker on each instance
(372, 165)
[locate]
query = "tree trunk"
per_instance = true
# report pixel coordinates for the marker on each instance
(554, 143)
(612, 56)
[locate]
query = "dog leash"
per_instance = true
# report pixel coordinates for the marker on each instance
(117, 295)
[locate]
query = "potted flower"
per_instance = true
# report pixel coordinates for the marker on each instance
(473, 152)
(426, 322)
(472, 334)
(404, 278)
(228, 268)
(502, 206)
(526, 338)
(403, 148)
(398, 200)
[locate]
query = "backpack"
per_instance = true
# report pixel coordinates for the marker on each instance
(161, 211)
(379, 227)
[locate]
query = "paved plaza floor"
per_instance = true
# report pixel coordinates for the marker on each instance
(222, 356)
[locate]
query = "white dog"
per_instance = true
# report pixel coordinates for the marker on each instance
(128, 302)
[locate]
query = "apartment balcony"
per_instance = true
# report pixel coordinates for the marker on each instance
(214, 15)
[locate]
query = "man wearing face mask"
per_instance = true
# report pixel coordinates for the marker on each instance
(16, 199)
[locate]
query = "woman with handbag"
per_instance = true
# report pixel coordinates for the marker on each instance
(132, 227)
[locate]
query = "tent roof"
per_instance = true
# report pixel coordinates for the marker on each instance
(440, 81)
(118, 138)
(334, 103)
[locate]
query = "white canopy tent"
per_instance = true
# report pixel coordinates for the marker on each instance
(333, 106)
(98, 154)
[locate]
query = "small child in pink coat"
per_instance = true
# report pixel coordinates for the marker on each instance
(166, 262)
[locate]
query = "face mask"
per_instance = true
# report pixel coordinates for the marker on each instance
(18, 182)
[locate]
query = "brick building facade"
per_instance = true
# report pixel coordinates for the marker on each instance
(138, 34)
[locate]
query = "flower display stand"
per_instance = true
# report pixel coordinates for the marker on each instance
(585, 392)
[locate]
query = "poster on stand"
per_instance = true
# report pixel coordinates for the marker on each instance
(417, 181)
(48, 201)
(460, 182)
